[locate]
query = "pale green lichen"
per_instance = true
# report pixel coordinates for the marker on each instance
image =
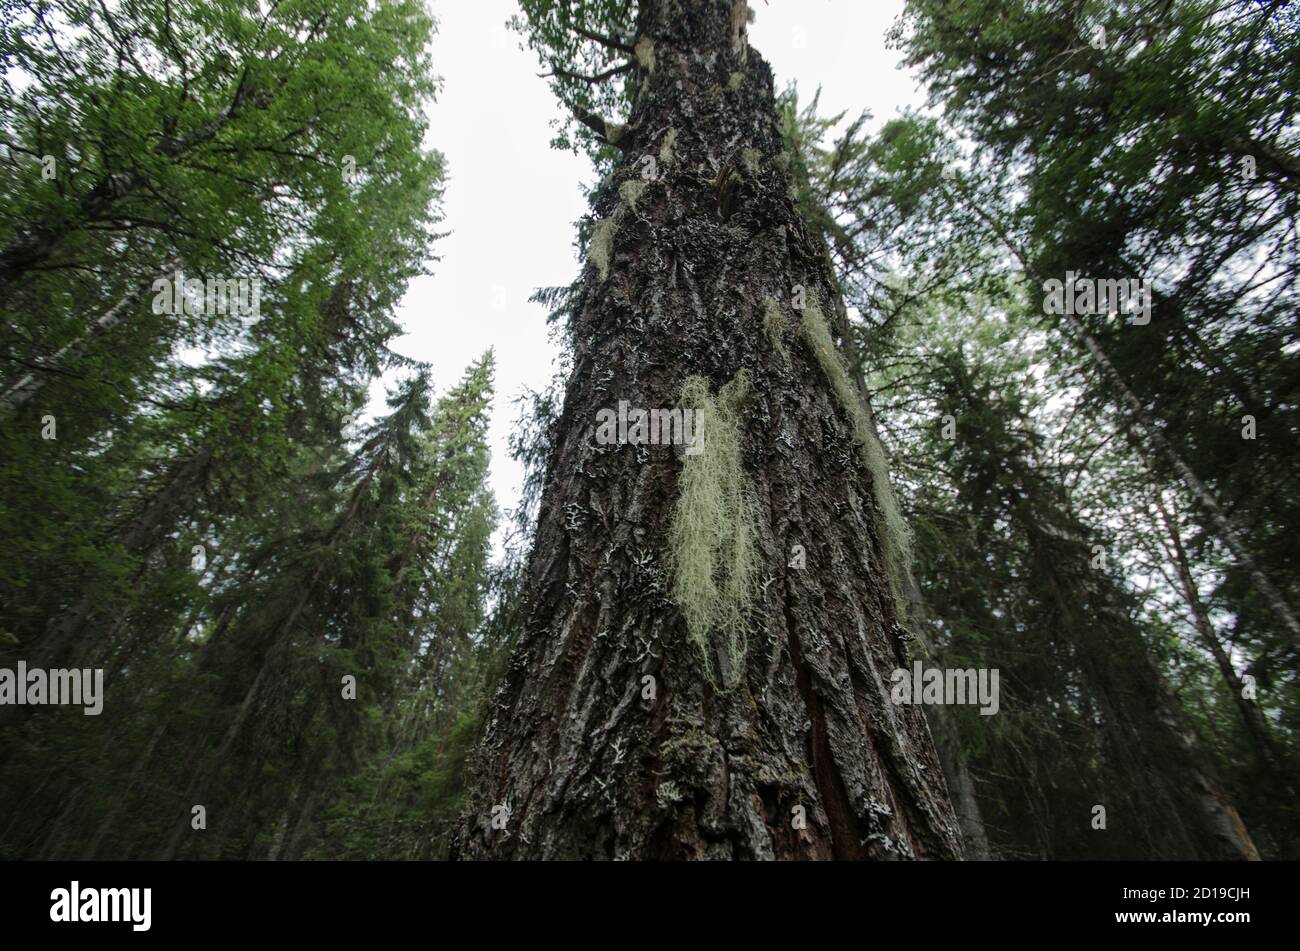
(713, 533)
(774, 325)
(668, 793)
(614, 131)
(896, 540)
(735, 81)
(630, 191)
(667, 147)
(751, 159)
(645, 53)
(600, 248)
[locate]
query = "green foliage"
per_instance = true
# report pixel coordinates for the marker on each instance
(330, 549)
(1169, 154)
(577, 42)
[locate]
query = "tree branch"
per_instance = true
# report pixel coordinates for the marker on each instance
(605, 41)
(598, 78)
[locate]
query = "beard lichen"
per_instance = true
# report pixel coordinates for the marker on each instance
(774, 325)
(630, 191)
(644, 48)
(667, 147)
(600, 247)
(895, 538)
(713, 533)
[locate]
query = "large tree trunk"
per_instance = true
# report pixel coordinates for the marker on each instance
(695, 275)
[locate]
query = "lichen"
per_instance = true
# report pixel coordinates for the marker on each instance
(614, 131)
(630, 191)
(669, 144)
(600, 248)
(896, 540)
(751, 159)
(645, 53)
(668, 793)
(713, 533)
(774, 326)
(735, 81)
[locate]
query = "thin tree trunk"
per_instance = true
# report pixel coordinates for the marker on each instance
(1207, 499)
(21, 392)
(1252, 719)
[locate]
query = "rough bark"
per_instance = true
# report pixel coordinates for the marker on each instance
(586, 763)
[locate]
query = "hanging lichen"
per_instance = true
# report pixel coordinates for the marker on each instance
(774, 325)
(896, 539)
(600, 247)
(630, 191)
(644, 49)
(668, 146)
(713, 533)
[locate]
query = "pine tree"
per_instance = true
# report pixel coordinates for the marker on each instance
(679, 689)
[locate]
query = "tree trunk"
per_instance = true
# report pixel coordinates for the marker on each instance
(693, 274)
(29, 384)
(1266, 751)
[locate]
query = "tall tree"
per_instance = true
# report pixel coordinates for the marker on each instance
(942, 312)
(679, 689)
(1156, 141)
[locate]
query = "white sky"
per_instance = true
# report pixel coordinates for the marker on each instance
(512, 201)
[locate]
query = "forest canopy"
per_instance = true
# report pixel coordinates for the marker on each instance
(1004, 387)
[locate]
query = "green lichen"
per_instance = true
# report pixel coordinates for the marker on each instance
(667, 147)
(896, 540)
(614, 131)
(774, 326)
(713, 533)
(751, 159)
(600, 248)
(644, 49)
(735, 81)
(668, 793)
(630, 191)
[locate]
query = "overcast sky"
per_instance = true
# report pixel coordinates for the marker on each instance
(512, 201)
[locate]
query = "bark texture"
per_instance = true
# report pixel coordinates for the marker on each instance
(585, 757)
